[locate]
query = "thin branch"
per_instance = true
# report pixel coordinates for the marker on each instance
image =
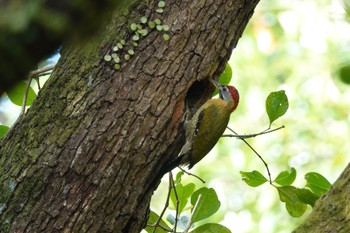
(245, 136)
(177, 200)
(189, 223)
(25, 97)
(39, 72)
(267, 167)
(191, 174)
(156, 224)
(33, 74)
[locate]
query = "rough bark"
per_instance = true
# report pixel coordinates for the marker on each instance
(331, 213)
(91, 150)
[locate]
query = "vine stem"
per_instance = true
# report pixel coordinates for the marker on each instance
(245, 136)
(243, 139)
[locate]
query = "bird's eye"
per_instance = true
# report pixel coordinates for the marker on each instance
(224, 88)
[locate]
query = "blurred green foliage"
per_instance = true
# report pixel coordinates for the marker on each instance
(300, 47)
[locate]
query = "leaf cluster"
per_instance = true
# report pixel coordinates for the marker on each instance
(191, 205)
(295, 199)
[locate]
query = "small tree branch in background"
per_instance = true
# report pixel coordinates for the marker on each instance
(171, 179)
(245, 136)
(189, 223)
(191, 174)
(157, 223)
(33, 74)
(267, 167)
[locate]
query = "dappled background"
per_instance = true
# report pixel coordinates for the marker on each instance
(302, 47)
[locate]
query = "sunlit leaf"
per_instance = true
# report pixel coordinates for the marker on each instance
(153, 219)
(207, 205)
(285, 178)
(295, 209)
(288, 193)
(3, 130)
(253, 178)
(211, 228)
(225, 77)
(16, 94)
(276, 105)
(317, 183)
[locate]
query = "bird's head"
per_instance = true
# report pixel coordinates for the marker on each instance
(227, 93)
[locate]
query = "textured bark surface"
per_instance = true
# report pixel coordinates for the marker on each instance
(90, 151)
(331, 213)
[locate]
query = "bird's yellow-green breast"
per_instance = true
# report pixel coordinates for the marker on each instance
(207, 126)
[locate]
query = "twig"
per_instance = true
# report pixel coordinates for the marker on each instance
(171, 179)
(156, 224)
(267, 167)
(25, 97)
(33, 74)
(191, 174)
(189, 223)
(39, 72)
(245, 136)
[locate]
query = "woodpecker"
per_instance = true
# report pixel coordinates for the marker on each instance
(208, 124)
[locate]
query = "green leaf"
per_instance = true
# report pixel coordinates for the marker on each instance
(285, 178)
(152, 219)
(107, 57)
(179, 177)
(276, 105)
(160, 10)
(3, 130)
(211, 228)
(157, 21)
(253, 178)
(306, 196)
(288, 193)
(16, 94)
(166, 27)
(296, 209)
(207, 205)
(317, 183)
(151, 24)
(133, 26)
(161, 4)
(183, 193)
(344, 73)
(225, 77)
(166, 37)
(143, 19)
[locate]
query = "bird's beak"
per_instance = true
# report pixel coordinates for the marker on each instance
(215, 83)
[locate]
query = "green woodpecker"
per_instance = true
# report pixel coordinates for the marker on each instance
(208, 124)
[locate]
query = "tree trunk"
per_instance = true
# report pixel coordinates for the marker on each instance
(91, 150)
(331, 213)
